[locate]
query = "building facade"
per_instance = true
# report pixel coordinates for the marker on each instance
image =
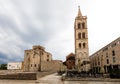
(38, 59)
(34, 57)
(107, 58)
(14, 66)
(81, 42)
(70, 61)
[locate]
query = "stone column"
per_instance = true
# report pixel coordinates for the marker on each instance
(105, 69)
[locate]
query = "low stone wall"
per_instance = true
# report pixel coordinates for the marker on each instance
(89, 79)
(19, 76)
(42, 74)
(10, 71)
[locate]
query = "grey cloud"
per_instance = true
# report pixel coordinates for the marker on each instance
(33, 22)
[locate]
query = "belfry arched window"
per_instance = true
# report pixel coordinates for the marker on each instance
(79, 35)
(83, 35)
(83, 25)
(79, 45)
(84, 45)
(79, 25)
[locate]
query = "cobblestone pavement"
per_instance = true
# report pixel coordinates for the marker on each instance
(52, 79)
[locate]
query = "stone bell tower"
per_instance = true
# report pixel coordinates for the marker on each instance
(81, 42)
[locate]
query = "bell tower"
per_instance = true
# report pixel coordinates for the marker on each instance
(81, 41)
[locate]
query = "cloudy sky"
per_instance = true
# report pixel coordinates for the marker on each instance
(50, 23)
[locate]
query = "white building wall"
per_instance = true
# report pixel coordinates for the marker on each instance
(14, 65)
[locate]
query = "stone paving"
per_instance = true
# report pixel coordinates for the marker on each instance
(52, 79)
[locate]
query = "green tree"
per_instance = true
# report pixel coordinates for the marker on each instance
(3, 66)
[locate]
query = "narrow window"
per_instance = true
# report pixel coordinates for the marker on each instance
(47, 59)
(79, 25)
(31, 65)
(113, 59)
(35, 65)
(83, 35)
(27, 53)
(107, 61)
(83, 25)
(79, 35)
(113, 53)
(84, 45)
(98, 63)
(79, 45)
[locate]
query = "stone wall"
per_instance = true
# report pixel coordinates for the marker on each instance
(106, 58)
(34, 57)
(19, 76)
(51, 66)
(70, 61)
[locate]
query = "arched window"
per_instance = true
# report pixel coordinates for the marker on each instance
(113, 53)
(83, 25)
(84, 45)
(107, 61)
(83, 35)
(79, 35)
(79, 45)
(79, 25)
(35, 65)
